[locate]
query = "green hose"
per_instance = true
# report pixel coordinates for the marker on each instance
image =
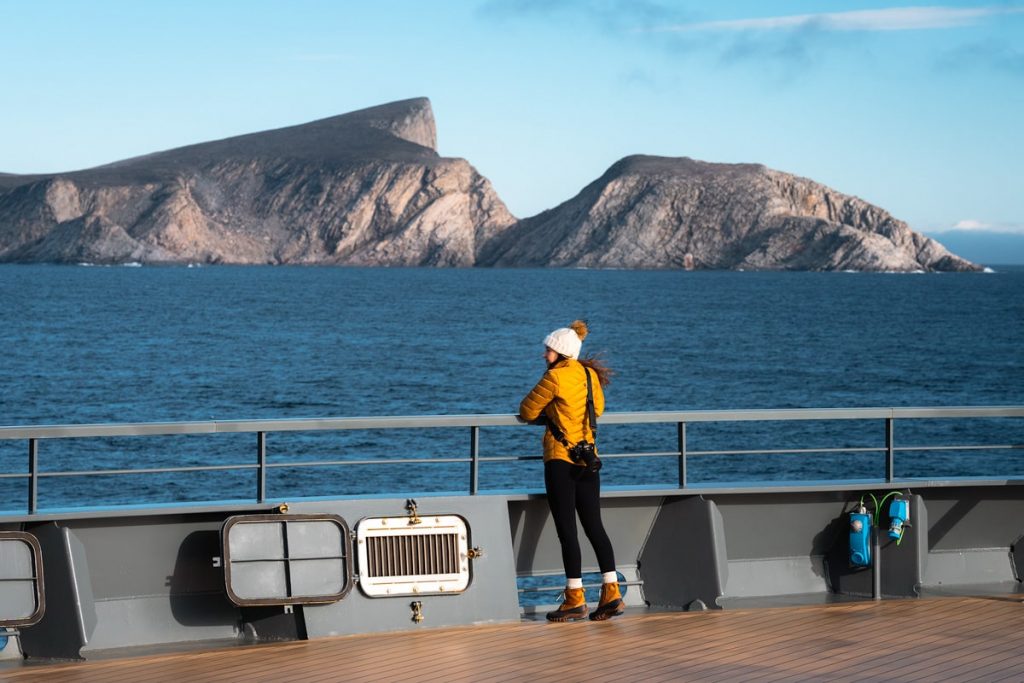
(878, 509)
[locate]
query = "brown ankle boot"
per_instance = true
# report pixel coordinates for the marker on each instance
(573, 607)
(611, 603)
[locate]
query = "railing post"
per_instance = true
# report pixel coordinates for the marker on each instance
(261, 469)
(33, 476)
(474, 460)
(682, 454)
(890, 468)
(876, 557)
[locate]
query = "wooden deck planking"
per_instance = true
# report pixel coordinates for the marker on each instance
(875, 660)
(892, 640)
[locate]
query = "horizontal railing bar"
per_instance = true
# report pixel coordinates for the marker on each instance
(789, 451)
(769, 415)
(510, 458)
(993, 447)
(663, 454)
(114, 429)
(375, 461)
(407, 461)
(497, 420)
(945, 413)
(558, 589)
(148, 470)
(769, 451)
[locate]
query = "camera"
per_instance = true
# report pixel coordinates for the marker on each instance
(585, 452)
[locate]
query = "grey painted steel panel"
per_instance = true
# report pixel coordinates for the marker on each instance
(160, 566)
(70, 616)
(491, 595)
(534, 539)
(156, 620)
(968, 518)
(973, 536)
(155, 581)
(537, 551)
(776, 576)
(766, 526)
(684, 558)
(137, 555)
(798, 544)
(968, 567)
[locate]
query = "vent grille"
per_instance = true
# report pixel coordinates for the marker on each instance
(397, 557)
(412, 555)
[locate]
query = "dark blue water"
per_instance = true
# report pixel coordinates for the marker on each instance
(92, 345)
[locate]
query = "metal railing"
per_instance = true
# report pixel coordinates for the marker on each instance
(473, 423)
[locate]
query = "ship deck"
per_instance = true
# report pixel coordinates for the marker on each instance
(928, 639)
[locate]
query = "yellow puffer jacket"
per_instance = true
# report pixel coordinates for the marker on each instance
(561, 395)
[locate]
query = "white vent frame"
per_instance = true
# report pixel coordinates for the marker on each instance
(383, 577)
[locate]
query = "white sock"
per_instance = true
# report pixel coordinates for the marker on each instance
(573, 583)
(610, 577)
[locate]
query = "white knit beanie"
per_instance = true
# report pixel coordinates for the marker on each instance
(567, 341)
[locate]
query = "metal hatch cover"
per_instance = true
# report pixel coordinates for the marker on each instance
(286, 559)
(22, 601)
(403, 556)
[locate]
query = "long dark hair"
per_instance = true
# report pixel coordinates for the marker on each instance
(603, 372)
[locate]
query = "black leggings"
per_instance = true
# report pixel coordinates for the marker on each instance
(568, 496)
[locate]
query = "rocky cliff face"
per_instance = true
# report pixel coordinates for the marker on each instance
(655, 212)
(369, 188)
(366, 188)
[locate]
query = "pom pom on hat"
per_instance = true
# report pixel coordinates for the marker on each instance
(567, 341)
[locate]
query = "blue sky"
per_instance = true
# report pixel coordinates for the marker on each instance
(915, 107)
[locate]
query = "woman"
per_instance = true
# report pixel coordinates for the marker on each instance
(573, 488)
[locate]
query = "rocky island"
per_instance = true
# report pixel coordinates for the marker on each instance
(369, 188)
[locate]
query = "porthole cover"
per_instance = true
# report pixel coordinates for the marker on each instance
(21, 579)
(286, 559)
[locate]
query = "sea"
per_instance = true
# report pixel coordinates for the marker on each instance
(91, 344)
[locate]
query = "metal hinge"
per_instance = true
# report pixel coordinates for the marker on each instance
(414, 518)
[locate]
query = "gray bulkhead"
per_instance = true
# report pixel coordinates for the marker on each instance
(151, 577)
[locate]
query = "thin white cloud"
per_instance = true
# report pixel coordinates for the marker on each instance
(971, 224)
(891, 19)
(975, 225)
